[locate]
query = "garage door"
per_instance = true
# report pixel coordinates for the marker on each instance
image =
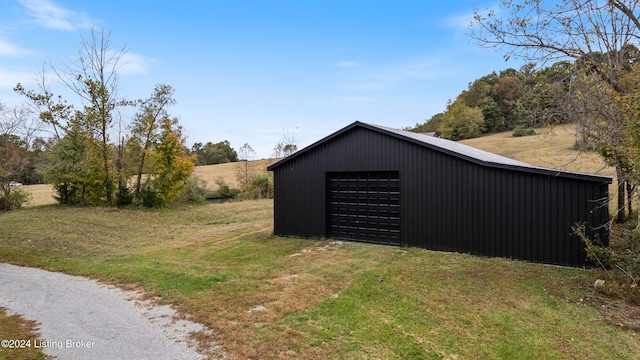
(364, 206)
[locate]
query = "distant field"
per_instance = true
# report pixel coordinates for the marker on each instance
(43, 194)
(227, 172)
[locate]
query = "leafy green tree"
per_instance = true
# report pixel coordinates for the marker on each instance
(546, 95)
(94, 78)
(52, 110)
(494, 121)
(477, 93)
(211, 153)
(461, 121)
(507, 94)
(71, 172)
(146, 129)
(172, 164)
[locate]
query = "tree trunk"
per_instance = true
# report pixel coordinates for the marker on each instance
(139, 177)
(630, 191)
(621, 191)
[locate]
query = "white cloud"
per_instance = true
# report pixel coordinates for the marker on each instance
(8, 49)
(386, 76)
(462, 22)
(466, 21)
(134, 64)
(49, 15)
(10, 77)
(347, 64)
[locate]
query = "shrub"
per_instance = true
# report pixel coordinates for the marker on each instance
(224, 192)
(621, 263)
(260, 187)
(123, 196)
(264, 185)
(151, 199)
(195, 192)
(14, 199)
(523, 131)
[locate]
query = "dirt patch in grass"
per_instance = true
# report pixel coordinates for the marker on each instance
(249, 313)
(616, 312)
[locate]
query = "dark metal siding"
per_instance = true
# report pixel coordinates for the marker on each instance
(447, 203)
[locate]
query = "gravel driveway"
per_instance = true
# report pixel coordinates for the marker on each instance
(83, 319)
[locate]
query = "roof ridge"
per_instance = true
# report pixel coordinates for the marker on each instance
(453, 148)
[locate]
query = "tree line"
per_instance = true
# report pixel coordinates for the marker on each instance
(92, 157)
(505, 101)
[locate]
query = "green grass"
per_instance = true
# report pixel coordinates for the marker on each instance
(271, 298)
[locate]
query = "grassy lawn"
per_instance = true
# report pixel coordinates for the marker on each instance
(271, 298)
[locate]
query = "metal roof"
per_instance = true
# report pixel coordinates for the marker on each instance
(453, 148)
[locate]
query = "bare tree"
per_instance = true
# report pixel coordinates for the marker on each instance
(17, 130)
(597, 36)
(287, 145)
(52, 110)
(244, 169)
(147, 125)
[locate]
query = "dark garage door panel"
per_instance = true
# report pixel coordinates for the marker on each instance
(364, 206)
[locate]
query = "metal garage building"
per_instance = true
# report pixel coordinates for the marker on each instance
(376, 184)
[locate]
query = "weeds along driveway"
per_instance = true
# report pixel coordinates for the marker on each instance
(79, 318)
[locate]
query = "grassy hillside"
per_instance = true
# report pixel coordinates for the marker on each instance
(551, 148)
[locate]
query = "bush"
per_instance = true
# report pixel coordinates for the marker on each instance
(523, 131)
(620, 262)
(195, 192)
(151, 199)
(123, 196)
(224, 192)
(264, 185)
(260, 187)
(14, 200)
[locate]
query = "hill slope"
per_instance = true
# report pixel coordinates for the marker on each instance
(551, 148)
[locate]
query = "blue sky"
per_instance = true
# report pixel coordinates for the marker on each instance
(247, 71)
